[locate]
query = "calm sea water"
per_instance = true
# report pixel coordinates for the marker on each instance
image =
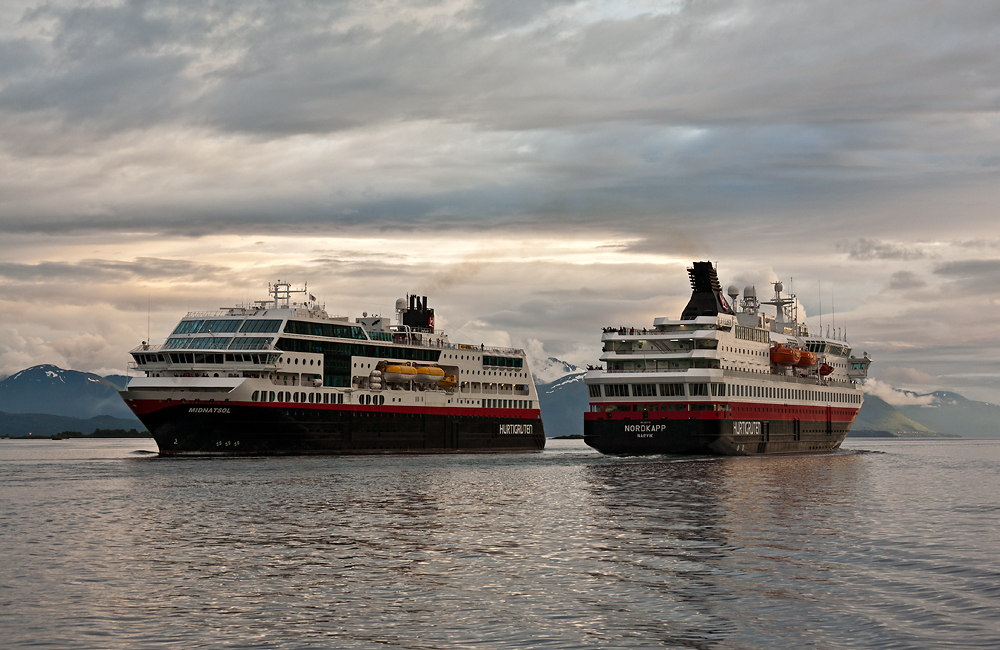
(890, 544)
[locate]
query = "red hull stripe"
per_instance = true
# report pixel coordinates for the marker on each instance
(740, 411)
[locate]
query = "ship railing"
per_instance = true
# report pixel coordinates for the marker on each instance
(232, 311)
(650, 370)
(443, 345)
(147, 348)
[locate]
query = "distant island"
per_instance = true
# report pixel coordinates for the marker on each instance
(96, 433)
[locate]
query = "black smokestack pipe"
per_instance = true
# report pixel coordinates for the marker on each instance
(425, 303)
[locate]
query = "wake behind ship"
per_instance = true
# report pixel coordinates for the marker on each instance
(287, 378)
(727, 378)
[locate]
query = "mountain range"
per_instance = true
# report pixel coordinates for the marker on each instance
(47, 399)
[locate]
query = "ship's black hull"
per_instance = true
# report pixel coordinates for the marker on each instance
(713, 436)
(213, 429)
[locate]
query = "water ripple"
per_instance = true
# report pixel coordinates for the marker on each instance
(889, 545)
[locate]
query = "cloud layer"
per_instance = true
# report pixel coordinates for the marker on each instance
(541, 169)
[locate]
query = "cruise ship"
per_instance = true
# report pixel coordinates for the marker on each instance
(285, 377)
(729, 377)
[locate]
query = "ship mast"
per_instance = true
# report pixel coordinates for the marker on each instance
(282, 293)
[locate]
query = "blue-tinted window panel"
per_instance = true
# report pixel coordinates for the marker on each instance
(251, 343)
(188, 326)
(210, 343)
(220, 326)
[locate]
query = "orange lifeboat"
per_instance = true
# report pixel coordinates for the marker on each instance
(807, 359)
(825, 370)
(785, 356)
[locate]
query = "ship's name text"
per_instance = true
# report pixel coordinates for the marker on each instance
(746, 428)
(644, 430)
(516, 429)
(209, 409)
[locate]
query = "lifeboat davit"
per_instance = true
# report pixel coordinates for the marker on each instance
(807, 359)
(396, 374)
(785, 356)
(825, 370)
(428, 375)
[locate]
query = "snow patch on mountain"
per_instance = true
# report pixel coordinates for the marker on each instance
(564, 381)
(551, 369)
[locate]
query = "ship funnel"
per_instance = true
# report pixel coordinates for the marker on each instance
(706, 292)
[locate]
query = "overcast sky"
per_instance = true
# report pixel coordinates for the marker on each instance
(538, 169)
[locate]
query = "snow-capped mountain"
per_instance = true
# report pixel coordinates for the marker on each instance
(563, 398)
(52, 390)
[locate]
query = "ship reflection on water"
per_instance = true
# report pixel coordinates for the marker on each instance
(721, 548)
(562, 549)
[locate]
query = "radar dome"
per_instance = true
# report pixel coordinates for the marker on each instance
(733, 291)
(401, 304)
(779, 287)
(749, 292)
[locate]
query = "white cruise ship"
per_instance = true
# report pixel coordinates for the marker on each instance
(728, 377)
(281, 377)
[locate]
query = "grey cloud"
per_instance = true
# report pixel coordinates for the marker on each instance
(872, 249)
(270, 68)
(970, 277)
(903, 280)
(718, 110)
(109, 270)
(969, 268)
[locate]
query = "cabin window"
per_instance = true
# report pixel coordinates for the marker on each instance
(671, 390)
(616, 390)
(698, 390)
(643, 390)
(256, 393)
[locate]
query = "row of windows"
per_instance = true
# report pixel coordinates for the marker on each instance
(261, 326)
(832, 348)
(358, 350)
(650, 390)
(224, 326)
(378, 400)
(196, 357)
(506, 403)
(219, 343)
(179, 357)
(311, 398)
(611, 408)
(329, 330)
(752, 334)
(775, 392)
(503, 362)
(719, 390)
